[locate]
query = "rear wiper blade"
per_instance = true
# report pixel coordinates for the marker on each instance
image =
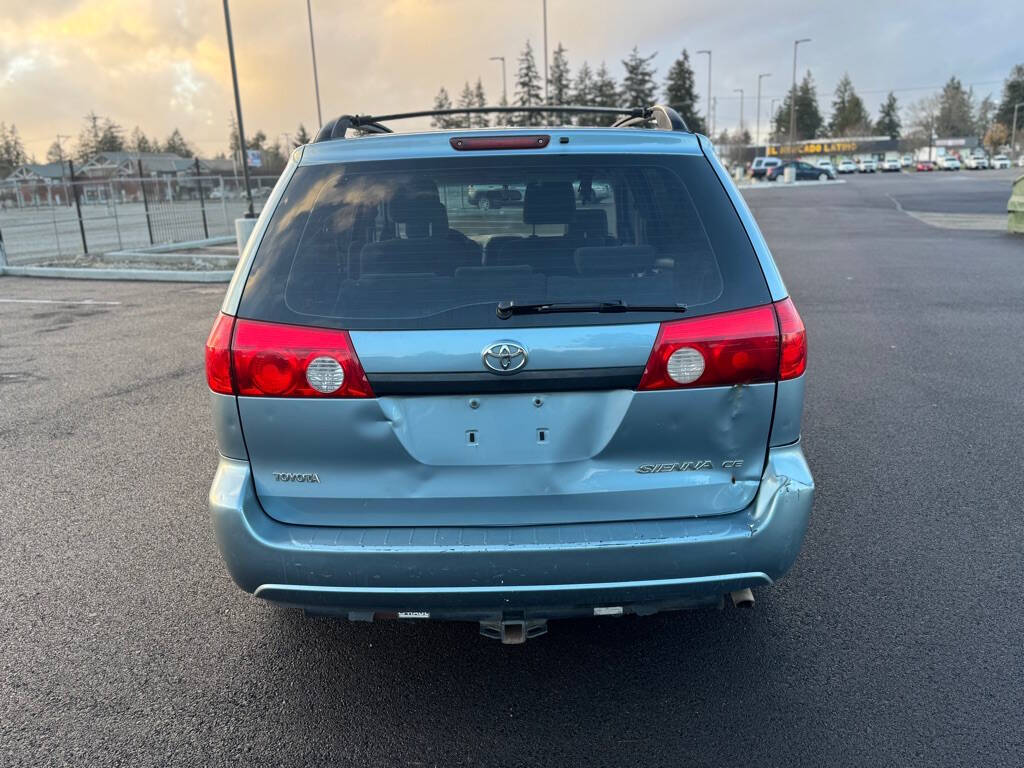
(508, 308)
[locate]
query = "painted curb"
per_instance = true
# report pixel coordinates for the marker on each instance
(149, 275)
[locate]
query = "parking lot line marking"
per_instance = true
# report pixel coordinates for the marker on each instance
(59, 301)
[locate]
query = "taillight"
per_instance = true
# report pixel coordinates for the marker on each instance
(246, 357)
(793, 355)
(294, 361)
(739, 347)
(760, 344)
(218, 355)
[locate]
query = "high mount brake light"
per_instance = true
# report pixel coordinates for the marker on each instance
(274, 360)
(766, 343)
(469, 143)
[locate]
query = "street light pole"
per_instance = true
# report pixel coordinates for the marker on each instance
(709, 126)
(1013, 133)
(792, 95)
(316, 79)
(740, 92)
(771, 116)
(757, 122)
(250, 214)
(545, 51)
(504, 82)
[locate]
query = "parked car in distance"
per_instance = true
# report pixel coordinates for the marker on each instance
(574, 411)
(975, 162)
(891, 164)
(804, 171)
(488, 196)
(867, 165)
(761, 166)
(907, 161)
(825, 163)
(1000, 161)
(949, 163)
(846, 165)
(925, 165)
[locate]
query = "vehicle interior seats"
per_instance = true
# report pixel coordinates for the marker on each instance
(590, 227)
(544, 203)
(424, 243)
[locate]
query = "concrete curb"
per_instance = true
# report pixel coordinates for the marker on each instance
(793, 185)
(173, 247)
(89, 273)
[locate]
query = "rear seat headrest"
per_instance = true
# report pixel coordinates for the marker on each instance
(549, 203)
(420, 212)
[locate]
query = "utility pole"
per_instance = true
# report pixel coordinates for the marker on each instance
(740, 92)
(771, 116)
(757, 123)
(504, 81)
(711, 130)
(545, 51)
(60, 152)
(316, 79)
(251, 214)
(1013, 133)
(792, 96)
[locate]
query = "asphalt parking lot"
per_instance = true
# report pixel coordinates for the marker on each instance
(895, 640)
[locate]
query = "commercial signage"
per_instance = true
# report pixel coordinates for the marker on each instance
(254, 158)
(816, 148)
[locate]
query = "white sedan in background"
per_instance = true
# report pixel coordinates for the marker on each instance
(847, 166)
(1000, 161)
(949, 163)
(891, 164)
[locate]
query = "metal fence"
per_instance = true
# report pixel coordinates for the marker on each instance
(59, 221)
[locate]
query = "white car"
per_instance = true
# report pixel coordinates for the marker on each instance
(847, 166)
(867, 165)
(891, 164)
(976, 162)
(1000, 161)
(907, 161)
(949, 163)
(826, 163)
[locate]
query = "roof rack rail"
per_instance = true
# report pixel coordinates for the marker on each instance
(665, 118)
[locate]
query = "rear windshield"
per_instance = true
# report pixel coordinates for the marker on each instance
(439, 243)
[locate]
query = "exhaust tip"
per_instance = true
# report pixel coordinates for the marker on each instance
(742, 598)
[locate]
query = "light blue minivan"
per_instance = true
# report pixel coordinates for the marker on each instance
(572, 404)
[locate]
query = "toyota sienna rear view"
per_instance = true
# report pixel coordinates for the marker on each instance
(584, 401)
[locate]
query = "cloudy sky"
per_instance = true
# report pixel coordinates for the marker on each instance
(162, 64)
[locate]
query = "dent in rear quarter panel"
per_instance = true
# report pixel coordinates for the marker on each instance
(789, 408)
(227, 426)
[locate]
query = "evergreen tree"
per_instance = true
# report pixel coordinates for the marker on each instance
(467, 101)
(301, 137)
(139, 142)
(111, 137)
(849, 117)
(479, 100)
(1013, 93)
(176, 143)
(560, 83)
(955, 115)
(985, 115)
(681, 92)
(12, 150)
(606, 94)
(808, 117)
(529, 91)
(88, 138)
(54, 154)
(443, 101)
(638, 86)
(889, 118)
(583, 93)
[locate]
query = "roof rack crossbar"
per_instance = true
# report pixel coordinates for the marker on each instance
(665, 118)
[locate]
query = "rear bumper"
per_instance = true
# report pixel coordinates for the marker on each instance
(484, 573)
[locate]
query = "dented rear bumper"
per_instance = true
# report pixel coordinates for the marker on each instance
(542, 571)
